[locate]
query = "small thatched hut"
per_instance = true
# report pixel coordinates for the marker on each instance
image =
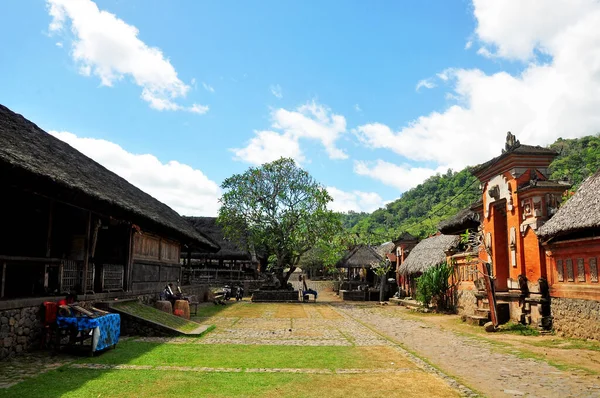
(361, 257)
(426, 254)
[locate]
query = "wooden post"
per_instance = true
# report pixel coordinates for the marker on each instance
(3, 279)
(86, 258)
(129, 272)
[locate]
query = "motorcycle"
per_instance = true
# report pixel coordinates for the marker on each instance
(226, 292)
(239, 293)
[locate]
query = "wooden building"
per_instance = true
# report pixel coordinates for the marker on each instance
(67, 224)
(402, 248)
(356, 266)
(571, 243)
(232, 262)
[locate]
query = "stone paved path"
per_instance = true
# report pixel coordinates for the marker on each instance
(475, 361)
(438, 352)
(15, 370)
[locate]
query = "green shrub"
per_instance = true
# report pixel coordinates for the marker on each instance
(434, 285)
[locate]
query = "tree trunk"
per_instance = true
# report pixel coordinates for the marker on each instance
(382, 288)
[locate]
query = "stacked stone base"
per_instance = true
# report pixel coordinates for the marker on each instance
(576, 318)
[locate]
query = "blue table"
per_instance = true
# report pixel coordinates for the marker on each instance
(104, 330)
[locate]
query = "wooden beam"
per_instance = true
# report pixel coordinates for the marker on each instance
(3, 279)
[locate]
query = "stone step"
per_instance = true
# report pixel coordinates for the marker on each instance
(477, 320)
(483, 312)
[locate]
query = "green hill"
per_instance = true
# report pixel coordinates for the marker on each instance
(420, 209)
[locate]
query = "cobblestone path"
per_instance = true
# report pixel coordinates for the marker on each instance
(475, 361)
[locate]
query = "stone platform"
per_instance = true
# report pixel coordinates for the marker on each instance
(275, 296)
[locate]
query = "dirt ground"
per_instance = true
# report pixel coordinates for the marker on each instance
(496, 365)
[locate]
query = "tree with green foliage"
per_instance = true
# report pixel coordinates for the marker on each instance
(578, 159)
(280, 208)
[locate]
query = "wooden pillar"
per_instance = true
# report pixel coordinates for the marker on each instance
(86, 258)
(129, 263)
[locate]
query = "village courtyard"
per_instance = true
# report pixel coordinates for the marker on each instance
(325, 349)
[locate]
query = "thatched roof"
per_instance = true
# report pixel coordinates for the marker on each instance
(229, 250)
(385, 248)
(406, 237)
(359, 257)
(428, 253)
(580, 214)
(463, 220)
(35, 161)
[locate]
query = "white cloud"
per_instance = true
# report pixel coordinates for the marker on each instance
(427, 83)
(59, 44)
(197, 108)
(185, 189)
(355, 200)
(557, 94)
(208, 87)
(468, 44)
(517, 28)
(109, 48)
(357, 108)
(311, 121)
(401, 177)
(276, 91)
(267, 146)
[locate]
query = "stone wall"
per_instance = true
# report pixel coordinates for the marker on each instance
(20, 320)
(20, 331)
(466, 302)
(576, 318)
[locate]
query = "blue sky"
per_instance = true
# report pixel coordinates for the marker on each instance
(370, 97)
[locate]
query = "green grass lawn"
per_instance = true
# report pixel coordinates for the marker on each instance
(152, 314)
(247, 356)
(84, 383)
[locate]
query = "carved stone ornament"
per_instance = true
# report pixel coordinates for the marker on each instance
(560, 270)
(497, 189)
(580, 270)
(570, 276)
(593, 270)
(511, 142)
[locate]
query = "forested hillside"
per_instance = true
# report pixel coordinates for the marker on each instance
(420, 209)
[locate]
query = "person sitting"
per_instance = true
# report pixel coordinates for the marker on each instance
(168, 295)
